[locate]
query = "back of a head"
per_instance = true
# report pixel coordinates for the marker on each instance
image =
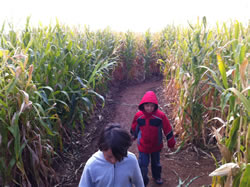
(115, 138)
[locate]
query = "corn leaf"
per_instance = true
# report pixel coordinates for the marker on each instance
(222, 70)
(232, 139)
(247, 154)
(244, 100)
(245, 179)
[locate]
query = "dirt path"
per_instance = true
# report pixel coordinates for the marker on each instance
(187, 163)
(121, 107)
(129, 100)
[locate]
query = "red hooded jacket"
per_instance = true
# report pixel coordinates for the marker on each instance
(148, 127)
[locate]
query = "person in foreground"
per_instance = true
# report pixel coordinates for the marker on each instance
(112, 165)
(147, 127)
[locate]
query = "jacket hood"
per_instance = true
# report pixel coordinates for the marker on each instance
(149, 97)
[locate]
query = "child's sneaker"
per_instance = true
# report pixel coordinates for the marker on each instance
(159, 181)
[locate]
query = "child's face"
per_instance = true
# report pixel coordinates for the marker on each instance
(149, 107)
(108, 155)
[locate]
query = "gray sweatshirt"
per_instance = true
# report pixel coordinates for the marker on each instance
(98, 172)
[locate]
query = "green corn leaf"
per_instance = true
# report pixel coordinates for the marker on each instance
(224, 100)
(236, 181)
(247, 154)
(69, 47)
(81, 82)
(48, 130)
(3, 121)
(29, 44)
(96, 94)
(242, 53)
(66, 94)
(243, 99)
(44, 97)
(214, 79)
(87, 102)
(3, 103)
(2, 29)
(39, 109)
(20, 167)
(14, 129)
(222, 70)
(245, 179)
(11, 85)
(236, 30)
(226, 30)
(94, 73)
(232, 139)
(59, 101)
(46, 87)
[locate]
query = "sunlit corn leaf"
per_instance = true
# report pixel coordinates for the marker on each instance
(222, 70)
(242, 55)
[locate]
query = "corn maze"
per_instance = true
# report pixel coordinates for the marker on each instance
(53, 77)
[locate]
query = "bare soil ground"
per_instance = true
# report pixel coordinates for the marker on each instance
(121, 105)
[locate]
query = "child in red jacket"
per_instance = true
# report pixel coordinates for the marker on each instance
(147, 128)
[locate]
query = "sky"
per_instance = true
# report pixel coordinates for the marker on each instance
(123, 15)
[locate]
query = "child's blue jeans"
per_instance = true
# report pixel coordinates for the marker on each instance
(144, 159)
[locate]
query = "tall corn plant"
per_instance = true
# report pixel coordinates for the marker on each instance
(128, 53)
(69, 68)
(72, 63)
(191, 49)
(235, 109)
(25, 147)
(194, 55)
(199, 52)
(168, 52)
(149, 53)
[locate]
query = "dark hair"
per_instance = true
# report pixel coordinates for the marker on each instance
(115, 138)
(141, 107)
